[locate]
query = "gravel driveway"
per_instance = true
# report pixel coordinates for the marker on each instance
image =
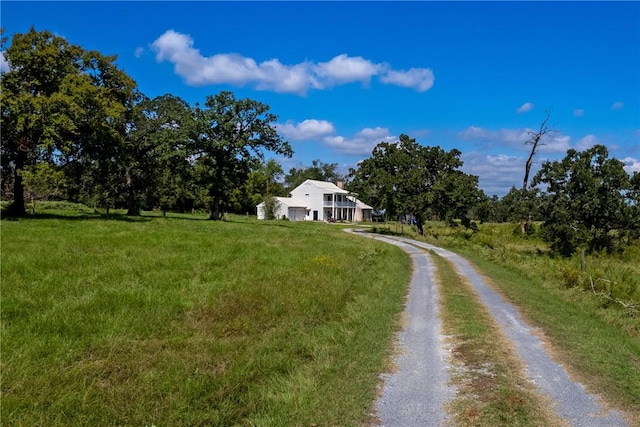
(415, 394)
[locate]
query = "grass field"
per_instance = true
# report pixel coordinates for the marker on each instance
(184, 321)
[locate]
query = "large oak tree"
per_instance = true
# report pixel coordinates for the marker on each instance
(590, 201)
(60, 103)
(408, 178)
(230, 137)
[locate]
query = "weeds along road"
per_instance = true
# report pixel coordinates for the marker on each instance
(416, 393)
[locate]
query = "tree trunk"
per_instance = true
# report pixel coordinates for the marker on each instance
(419, 225)
(17, 207)
(214, 209)
(133, 209)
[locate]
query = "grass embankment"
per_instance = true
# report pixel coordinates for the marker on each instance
(596, 338)
(184, 321)
(492, 389)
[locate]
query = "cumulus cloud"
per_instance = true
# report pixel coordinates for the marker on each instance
(345, 69)
(578, 112)
(420, 79)
(516, 139)
(631, 165)
(306, 130)
(527, 106)
(496, 173)
(139, 52)
(233, 68)
(587, 142)
(4, 65)
(617, 105)
(362, 143)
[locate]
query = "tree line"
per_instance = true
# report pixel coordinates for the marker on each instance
(76, 127)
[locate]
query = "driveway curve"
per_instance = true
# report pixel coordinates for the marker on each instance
(571, 401)
(415, 394)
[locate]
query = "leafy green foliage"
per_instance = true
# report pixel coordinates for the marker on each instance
(318, 171)
(587, 202)
(271, 205)
(63, 104)
(43, 182)
(230, 137)
(407, 178)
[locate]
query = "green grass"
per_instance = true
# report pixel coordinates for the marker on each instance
(184, 321)
(492, 389)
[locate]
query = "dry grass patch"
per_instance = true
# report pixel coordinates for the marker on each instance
(492, 388)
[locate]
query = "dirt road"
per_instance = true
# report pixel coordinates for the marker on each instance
(416, 393)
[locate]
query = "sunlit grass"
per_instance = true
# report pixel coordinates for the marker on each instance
(184, 321)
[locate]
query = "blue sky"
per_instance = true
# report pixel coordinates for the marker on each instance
(343, 76)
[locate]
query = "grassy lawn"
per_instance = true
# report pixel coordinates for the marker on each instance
(184, 321)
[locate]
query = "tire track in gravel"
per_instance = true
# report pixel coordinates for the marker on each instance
(571, 401)
(416, 393)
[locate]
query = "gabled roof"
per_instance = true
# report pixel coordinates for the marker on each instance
(292, 202)
(325, 186)
(289, 202)
(362, 205)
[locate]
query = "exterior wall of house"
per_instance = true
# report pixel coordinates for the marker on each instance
(294, 213)
(325, 203)
(297, 214)
(319, 201)
(312, 197)
(363, 214)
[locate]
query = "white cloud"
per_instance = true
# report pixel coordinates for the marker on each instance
(558, 144)
(421, 79)
(511, 137)
(496, 173)
(631, 165)
(587, 142)
(516, 139)
(578, 112)
(526, 107)
(239, 70)
(362, 143)
(139, 52)
(345, 69)
(4, 65)
(306, 130)
(617, 105)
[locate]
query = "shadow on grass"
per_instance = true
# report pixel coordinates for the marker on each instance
(75, 217)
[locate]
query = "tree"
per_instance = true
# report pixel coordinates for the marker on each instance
(230, 137)
(263, 183)
(59, 103)
(455, 195)
(406, 178)
(519, 204)
(43, 182)
(525, 197)
(588, 202)
(318, 171)
(157, 154)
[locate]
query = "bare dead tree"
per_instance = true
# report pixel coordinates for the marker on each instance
(535, 141)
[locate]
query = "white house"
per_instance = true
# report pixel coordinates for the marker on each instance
(319, 201)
